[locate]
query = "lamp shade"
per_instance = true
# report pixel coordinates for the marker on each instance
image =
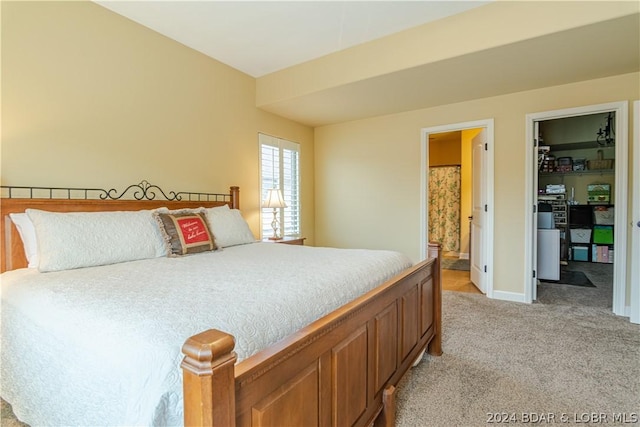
(274, 199)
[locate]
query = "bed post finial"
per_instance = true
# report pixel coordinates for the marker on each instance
(234, 191)
(209, 379)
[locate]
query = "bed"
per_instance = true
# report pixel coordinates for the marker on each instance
(144, 346)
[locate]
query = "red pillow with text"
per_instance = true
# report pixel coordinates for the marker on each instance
(185, 232)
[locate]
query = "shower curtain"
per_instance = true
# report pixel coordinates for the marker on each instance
(444, 207)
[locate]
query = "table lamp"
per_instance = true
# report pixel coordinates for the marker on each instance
(274, 200)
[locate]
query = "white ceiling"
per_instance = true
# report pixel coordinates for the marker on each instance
(260, 37)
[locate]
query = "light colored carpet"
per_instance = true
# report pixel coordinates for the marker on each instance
(512, 358)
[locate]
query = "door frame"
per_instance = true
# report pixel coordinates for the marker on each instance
(634, 315)
(488, 179)
(621, 110)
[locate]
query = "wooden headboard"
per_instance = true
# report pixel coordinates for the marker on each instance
(135, 197)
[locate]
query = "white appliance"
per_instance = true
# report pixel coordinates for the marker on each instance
(548, 254)
(546, 220)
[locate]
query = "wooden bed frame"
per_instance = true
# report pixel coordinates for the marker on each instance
(340, 370)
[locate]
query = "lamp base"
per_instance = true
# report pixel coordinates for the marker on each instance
(275, 238)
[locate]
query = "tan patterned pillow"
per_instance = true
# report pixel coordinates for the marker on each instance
(186, 232)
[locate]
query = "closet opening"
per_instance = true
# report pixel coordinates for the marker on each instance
(576, 162)
(577, 181)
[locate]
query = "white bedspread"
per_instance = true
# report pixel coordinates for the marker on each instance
(102, 345)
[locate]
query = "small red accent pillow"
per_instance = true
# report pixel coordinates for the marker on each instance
(185, 232)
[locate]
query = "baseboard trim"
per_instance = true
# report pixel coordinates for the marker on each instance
(463, 255)
(508, 296)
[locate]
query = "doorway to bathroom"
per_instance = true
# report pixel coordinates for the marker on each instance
(457, 193)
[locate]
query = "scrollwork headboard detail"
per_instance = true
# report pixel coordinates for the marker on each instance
(142, 191)
(16, 199)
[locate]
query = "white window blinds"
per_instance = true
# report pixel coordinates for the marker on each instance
(280, 168)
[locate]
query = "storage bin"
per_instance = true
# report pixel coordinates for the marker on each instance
(564, 164)
(600, 163)
(580, 235)
(580, 253)
(602, 254)
(603, 234)
(579, 164)
(604, 215)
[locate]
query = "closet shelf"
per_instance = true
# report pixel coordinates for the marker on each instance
(583, 172)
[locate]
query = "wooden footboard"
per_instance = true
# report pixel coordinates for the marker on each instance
(340, 370)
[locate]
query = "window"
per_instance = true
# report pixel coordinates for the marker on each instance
(280, 168)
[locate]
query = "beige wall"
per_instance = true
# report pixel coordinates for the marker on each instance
(367, 175)
(90, 98)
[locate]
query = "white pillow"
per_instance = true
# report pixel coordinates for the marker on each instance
(218, 208)
(28, 235)
(228, 226)
(84, 239)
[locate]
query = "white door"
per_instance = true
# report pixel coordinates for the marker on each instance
(635, 218)
(534, 233)
(479, 205)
